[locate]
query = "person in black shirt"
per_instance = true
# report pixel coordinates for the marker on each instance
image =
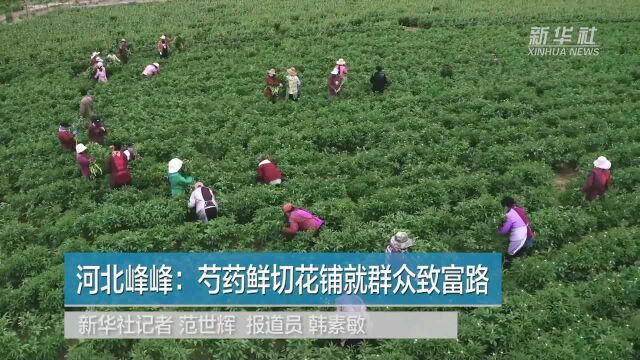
(379, 81)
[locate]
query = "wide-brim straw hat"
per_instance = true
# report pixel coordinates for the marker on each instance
(341, 62)
(156, 65)
(175, 165)
(292, 71)
(80, 148)
(271, 72)
(163, 37)
(401, 240)
(123, 40)
(602, 163)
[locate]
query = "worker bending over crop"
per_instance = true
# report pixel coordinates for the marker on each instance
(300, 219)
(66, 136)
(598, 181)
(178, 182)
(118, 165)
(97, 131)
(268, 172)
(204, 201)
(517, 225)
(151, 70)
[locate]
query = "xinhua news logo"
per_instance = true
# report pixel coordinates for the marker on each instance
(562, 43)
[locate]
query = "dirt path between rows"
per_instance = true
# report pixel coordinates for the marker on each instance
(42, 9)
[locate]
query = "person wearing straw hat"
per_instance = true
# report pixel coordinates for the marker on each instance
(66, 136)
(178, 182)
(300, 219)
(335, 83)
(203, 200)
(151, 70)
(293, 84)
(94, 59)
(272, 91)
(399, 243)
(118, 166)
(84, 160)
(123, 51)
(101, 73)
(598, 181)
(517, 225)
(341, 65)
(97, 131)
(163, 46)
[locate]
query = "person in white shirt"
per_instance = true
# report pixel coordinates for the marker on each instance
(203, 200)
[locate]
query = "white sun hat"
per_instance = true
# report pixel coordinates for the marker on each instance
(340, 62)
(602, 163)
(334, 71)
(156, 65)
(95, 53)
(162, 37)
(80, 148)
(271, 72)
(401, 240)
(175, 165)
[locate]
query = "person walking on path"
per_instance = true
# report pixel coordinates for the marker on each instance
(178, 182)
(293, 84)
(598, 181)
(517, 225)
(204, 201)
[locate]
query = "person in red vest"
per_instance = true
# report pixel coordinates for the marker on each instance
(97, 130)
(268, 172)
(118, 165)
(66, 137)
(598, 180)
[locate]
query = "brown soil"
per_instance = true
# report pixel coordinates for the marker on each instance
(563, 177)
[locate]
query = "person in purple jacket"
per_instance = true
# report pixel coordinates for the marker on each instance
(516, 224)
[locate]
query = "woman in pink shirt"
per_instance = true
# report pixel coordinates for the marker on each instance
(151, 70)
(300, 220)
(84, 160)
(343, 70)
(101, 73)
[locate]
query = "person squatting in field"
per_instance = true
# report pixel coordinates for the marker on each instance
(86, 106)
(598, 181)
(379, 81)
(151, 70)
(268, 172)
(178, 183)
(300, 219)
(163, 46)
(101, 73)
(517, 225)
(97, 131)
(293, 84)
(118, 165)
(274, 85)
(84, 160)
(66, 137)
(203, 200)
(335, 83)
